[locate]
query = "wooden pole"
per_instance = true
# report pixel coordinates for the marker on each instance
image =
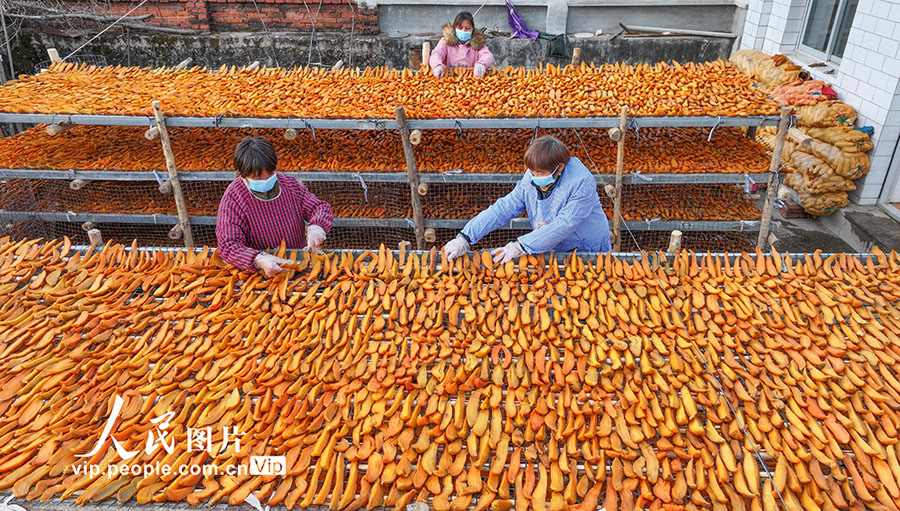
(426, 52)
(576, 56)
(774, 166)
(413, 177)
(173, 176)
(415, 59)
(95, 237)
(801, 138)
(674, 242)
(56, 129)
(54, 56)
(620, 167)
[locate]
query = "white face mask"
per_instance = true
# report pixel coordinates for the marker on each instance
(262, 185)
(544, 180)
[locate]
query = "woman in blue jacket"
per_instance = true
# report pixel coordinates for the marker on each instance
(560, 195)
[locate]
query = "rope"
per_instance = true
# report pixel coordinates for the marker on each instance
(637, 175)
(89, 41)
(632, 123)
(625, 224)
(479, 8)
(738, 418)
(352, 28)
(312, 35)
(748, 183)
(651, 220)
(12, 67)
(713, 130)
(362, 183)
(587, 153)
(727, 401)
(748, 223)
(266, 30)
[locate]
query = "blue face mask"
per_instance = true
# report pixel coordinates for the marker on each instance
(262, 185)
(463, 36)
(544, 180)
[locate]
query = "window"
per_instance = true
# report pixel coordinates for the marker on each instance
(826, 28)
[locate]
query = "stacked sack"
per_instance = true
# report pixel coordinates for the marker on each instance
(822, 168)
(768, 72)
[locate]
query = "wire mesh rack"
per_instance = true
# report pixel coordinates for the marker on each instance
(669, 151)
(681, 177)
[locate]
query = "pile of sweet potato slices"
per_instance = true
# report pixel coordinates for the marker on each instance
(756, 382)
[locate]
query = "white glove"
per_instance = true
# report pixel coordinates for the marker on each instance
(456, 247)
(479, 70)
(438, 71)
(512, 250)
(315, 236)
(269, 264)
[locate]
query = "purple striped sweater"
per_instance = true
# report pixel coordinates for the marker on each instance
(245, 225)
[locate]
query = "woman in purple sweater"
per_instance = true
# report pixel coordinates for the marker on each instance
(262, 208)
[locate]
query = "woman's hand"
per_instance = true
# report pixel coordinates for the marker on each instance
(512, 250)
(315, 236)
(479, 70)
(269, 264)
(456, 247)
(438, 71)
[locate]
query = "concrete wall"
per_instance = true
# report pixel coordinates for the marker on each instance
(867, 78)
(559, 16)
(214, 50)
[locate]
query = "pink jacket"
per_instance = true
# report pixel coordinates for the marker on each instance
(451, 53)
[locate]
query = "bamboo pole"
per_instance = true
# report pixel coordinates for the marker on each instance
(173, 176)
(620, 167)
(774, 166)
(413, 177)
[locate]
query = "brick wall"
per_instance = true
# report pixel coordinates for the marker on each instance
(240, 15)
(867, 78)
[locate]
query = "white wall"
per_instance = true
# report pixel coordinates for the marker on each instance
(868, 77)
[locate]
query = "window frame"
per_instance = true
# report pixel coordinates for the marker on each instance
(828, 54)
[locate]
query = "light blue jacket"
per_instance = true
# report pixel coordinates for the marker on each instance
(573, 210)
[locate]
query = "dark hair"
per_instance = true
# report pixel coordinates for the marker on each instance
(464, 16)
(253, 155)
(546, 153)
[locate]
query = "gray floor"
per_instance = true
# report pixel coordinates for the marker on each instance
(852, 229)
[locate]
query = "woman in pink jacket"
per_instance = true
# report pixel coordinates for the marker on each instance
(461, 46)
